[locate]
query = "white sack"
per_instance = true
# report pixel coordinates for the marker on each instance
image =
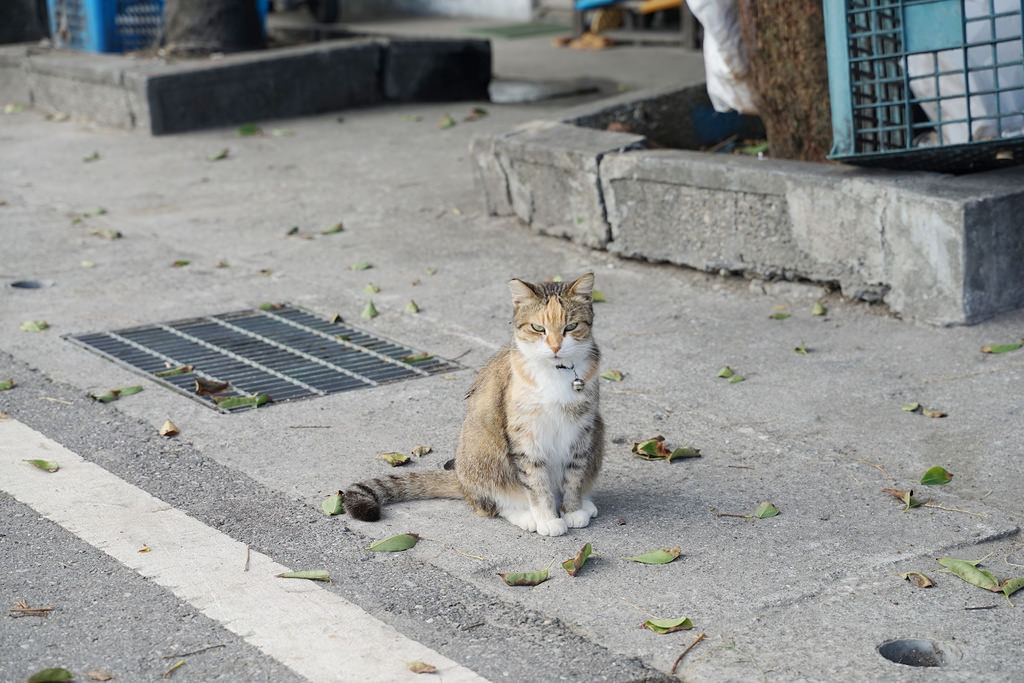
(725, 60)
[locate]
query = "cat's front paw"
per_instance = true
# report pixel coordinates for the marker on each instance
(577, 519)
(523, 519)
(589, 507)
(552, 527)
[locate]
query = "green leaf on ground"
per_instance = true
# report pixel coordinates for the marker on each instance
(735, 379)
(928, 412)
(231, 402)
(420, 451)
(779, 315)
(54, 675)
(98, 211)
(818, 308)
(526, 578)
(663, 556)
(171, 372)
(726, 372)
(181, 263)
(362, 265)
(765, 510)
(337, 227)
(412, 117)
(598, 297)
(668, 625)
(107, 233)
(369, 311)
(219, 156)
(911, 407)
(969, 572)
(574, 564)
(446, 122)
(334, 505)
(651, 449)
(311, 574)
(281, 132)
(249, 129)
(906, 496)
(1011, 586)
(113, 394)
(371, 288)
(475, 114)
(47, 465)
(270, 306)
(936, 476)
(753, 150)
(34, 326)
(1002, 348)
(14, 108)
(394, 544)
(684, 452)
(6, 384)
(421, 357)
(411, 307)
(95, 156)
(612, 375)
(802, 349)
(918, 579)
(394, 458)
(88, 264)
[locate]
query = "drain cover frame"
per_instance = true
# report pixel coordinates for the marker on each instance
(285, 349)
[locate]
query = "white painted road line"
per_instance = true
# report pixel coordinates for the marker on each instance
(312, 631)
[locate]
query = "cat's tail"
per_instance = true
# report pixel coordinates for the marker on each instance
(364, 499)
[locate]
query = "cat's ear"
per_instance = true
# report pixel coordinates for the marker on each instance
(583, 288)
(521, 292)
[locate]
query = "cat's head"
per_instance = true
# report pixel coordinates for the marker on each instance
(553, 319)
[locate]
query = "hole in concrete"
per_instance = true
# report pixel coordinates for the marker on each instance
(32, 284)
(915, 652)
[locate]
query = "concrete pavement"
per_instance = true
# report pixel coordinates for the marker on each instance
(807, 595)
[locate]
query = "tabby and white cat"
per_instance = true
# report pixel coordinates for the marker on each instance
(532, 440)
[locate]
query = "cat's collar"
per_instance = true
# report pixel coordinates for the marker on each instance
(577, 383)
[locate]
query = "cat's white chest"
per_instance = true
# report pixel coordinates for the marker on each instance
(555, 426)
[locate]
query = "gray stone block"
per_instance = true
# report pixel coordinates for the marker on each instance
(436, 70)
(297, 81)
(489, 175)
(13, 78)
(552, 178)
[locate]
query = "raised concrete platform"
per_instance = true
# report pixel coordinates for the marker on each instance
(936, 248)
(162, 96)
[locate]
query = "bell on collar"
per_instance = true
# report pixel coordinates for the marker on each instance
(577, 384)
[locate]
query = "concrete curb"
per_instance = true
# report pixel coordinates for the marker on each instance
(936, 248)
(160, 97)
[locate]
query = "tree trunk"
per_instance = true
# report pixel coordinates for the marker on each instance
(785, 43)
(197, 27)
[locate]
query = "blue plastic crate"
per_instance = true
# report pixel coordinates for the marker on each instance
(926, 84)
(112, 25)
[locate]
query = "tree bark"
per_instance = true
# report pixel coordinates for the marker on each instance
(197, 27)
(785, 44)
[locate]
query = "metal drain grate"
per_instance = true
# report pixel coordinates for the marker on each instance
(286, 353)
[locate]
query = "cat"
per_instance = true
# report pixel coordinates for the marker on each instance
(532, 440)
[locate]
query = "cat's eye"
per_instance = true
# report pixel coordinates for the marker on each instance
(572, 326)
(537, 328)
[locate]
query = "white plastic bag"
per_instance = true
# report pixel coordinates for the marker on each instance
(725, 60)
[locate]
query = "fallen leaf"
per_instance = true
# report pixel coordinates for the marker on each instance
(169, 429)
(98, 211)
(371, 288)
(928, 412)
(311, 574)
(753, 150)
(668, 625)
(918, 579)
(421, 357)
(779, 315)
(525, 578)
(294, 230)
(411, 307)
(50, 676)
(6, 384)
(1011, 586)
(685, 452)
(218, 156)
(369, 311)
(598, 297)
(475, 114)
(58, 116)
(420, 667)
(268, 306)
(99, 675)
(230, 402)
(736, 378)
(168, 673)
(818, 309)
(446, 122)
(249, 129)
(574, 564)
(206, 387)
(906, 496)
(969, 572)
(394, 459)
(456, 211)
(936, 476)
(113, 394)
(88, 264)
(107, 233)
(337, 227)
(14, 108)
(171, 372)
(911, 407)
(431, 271)
(34, 325)
(360, 266)
(412, 117)
(663, 556)
(144, 549)
(95, 156)
(765, 510)
(394, 544)
(651, 449)
(181, 263)
(726, 372)
(47, 465)
(334, 505)
(281, 132)
(802, 349)
(1002, 348)
(420, 451)
(613, 375)
(336, 318)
